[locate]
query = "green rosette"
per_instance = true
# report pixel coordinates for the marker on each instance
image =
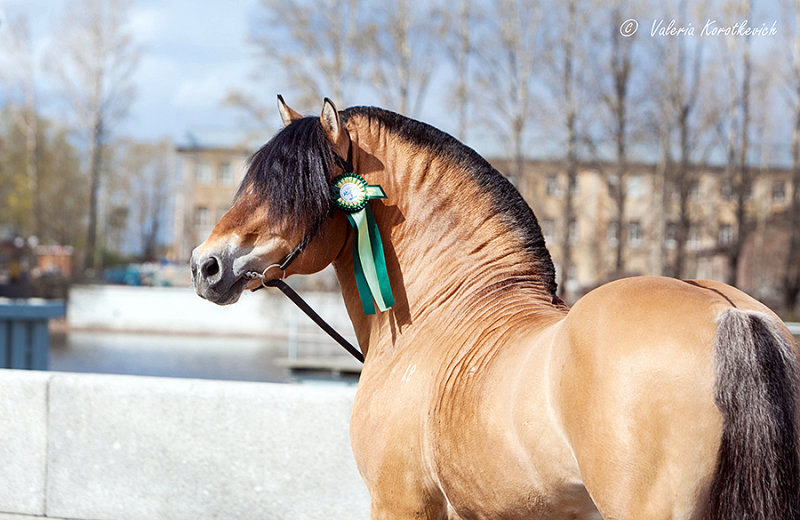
(351, 194)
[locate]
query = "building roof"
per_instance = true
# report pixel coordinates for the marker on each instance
(221, 139)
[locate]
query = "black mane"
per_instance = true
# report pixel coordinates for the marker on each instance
(291, 173)
(506, 201)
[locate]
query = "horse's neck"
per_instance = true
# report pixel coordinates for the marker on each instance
(450, 260)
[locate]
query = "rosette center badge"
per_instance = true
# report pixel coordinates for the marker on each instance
(351, 192)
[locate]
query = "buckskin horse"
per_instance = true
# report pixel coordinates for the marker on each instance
(483, 395)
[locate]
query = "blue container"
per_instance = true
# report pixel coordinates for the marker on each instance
(24, 335)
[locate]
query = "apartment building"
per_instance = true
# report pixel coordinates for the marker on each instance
(210, 173)
(650, 226)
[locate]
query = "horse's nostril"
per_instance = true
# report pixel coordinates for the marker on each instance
(210, 268)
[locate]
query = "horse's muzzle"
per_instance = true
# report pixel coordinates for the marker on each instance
(213, 280)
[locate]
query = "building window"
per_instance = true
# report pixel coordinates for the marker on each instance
(634, 233)
(612, 233)
(202, 173)
(694, 242)
(726, 191)
(225, 173)
(778, 192)
(574, 189)
(673, 191)
(725, 234)
(202, 217)
(574, 234)
(635, 187)
(553, 187)
(694, 190)
(671, 235)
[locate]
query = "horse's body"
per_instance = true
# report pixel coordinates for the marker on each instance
(482, 394)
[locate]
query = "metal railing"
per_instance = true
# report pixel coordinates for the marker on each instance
(24, 332)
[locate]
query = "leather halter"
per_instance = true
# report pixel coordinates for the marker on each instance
(347, 166)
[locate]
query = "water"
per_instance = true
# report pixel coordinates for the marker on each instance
(165, 355)
(204, 357)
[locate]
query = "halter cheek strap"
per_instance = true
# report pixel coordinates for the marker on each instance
(288, 259)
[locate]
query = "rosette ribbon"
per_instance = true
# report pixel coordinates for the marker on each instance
(351, 194)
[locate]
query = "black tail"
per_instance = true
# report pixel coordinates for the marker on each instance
(757, 375)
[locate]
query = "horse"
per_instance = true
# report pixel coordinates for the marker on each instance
(483, 395)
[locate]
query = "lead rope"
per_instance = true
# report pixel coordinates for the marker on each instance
(306, 308)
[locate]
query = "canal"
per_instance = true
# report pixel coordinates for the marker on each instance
(240, 358)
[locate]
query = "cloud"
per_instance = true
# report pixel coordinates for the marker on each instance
(147, 23)
(193, 54)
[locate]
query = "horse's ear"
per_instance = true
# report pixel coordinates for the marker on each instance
(330, 121)
(287, 114)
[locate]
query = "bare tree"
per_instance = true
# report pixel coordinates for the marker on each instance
(617, 102)
(316, 44)
(682, 122)
(402, 53)
(792, 84)
(571, 104)
(93, 59)
(145, 187)
(458, 28)
(508, 58)
(565, 77)
(740, 122)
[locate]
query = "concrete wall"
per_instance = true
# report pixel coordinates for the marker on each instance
(179, 309)
(100, 447)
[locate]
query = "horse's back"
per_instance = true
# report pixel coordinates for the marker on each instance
(635, 392)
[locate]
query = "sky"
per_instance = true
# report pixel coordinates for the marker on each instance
(194, 53)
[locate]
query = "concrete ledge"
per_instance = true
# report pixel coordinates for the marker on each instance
(4, 516)
(23, 441)
(126, 447)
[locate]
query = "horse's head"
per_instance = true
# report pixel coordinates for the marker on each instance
(282, 206)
